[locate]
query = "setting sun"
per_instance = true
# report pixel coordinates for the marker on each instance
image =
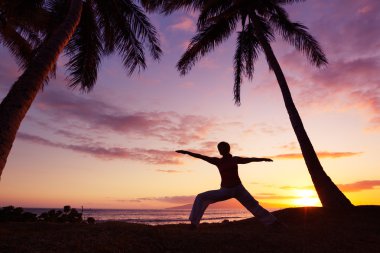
(306, 198)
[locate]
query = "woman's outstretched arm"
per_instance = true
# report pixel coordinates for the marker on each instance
(244, 160)
(212, 160)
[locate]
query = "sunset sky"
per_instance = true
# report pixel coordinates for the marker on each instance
(114, 147)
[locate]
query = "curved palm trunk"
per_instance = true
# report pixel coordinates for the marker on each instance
(20, 97)
(328, 192)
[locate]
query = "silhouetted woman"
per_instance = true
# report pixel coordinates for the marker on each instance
(231, 186)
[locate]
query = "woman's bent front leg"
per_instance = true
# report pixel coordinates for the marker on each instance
(203, 200)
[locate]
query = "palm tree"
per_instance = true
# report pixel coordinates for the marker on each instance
(259, 19)
(86, 30)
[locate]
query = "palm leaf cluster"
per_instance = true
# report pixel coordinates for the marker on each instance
(257, 21)
(105, 27)
(22, 24)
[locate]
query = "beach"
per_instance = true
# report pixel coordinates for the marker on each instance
(309, 230)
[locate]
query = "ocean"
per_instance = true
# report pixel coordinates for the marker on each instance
(156, 216)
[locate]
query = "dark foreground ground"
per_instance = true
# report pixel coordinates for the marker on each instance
(310, 230)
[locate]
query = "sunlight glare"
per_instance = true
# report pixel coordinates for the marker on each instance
(306, 198)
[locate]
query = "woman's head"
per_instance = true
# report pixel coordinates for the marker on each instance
(224, 148)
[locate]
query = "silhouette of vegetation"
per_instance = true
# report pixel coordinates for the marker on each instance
(10, 213)
(90, 220)
(21, 23)
(260, 21)
(67, 215)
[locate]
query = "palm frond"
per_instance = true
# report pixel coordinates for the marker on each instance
(238, 66)
(297, 35)
(131, 50)
(17, 44)
(143, 29)
(152, 5)
(288, 1)
(215, 9)
(169, 6)
(107, 24)
(263, 32)
(251, 50)
(247, 52)
(205, 41)
(84, 51)
(263, 26)
(126, 29)
(22, 26)
(127, 44)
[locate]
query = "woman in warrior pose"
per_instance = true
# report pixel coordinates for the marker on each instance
(231, 186)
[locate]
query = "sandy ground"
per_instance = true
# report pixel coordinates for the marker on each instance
(309, 230)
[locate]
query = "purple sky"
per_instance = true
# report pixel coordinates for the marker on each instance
(117, 142)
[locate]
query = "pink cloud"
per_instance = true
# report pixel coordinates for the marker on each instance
(291, 146)
(185, 44)
(360, 186)
(265, 128)
(351, 187)
(351, 79)
(185, 24)
(208, 63)
(96, 115)
(343, 85)
(152, 156)
(172, 171)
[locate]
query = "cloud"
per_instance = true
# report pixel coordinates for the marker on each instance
(97, 116)
(287, 187)
(185, 24)
(265, 128)
(360, 186)
(208, 63)
(73, 135)
(351, 187)
(152, 156)
(168, 199)
(172, 171)
(320, 155)
(185, 44)
(290, 146)
(350, 81)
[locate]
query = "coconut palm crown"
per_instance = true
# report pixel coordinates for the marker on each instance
(260, 21)
(85, 30)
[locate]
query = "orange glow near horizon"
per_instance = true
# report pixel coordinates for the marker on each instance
(306, 198)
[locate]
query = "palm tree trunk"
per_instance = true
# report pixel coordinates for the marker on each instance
(329, 194)
(20, 97)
